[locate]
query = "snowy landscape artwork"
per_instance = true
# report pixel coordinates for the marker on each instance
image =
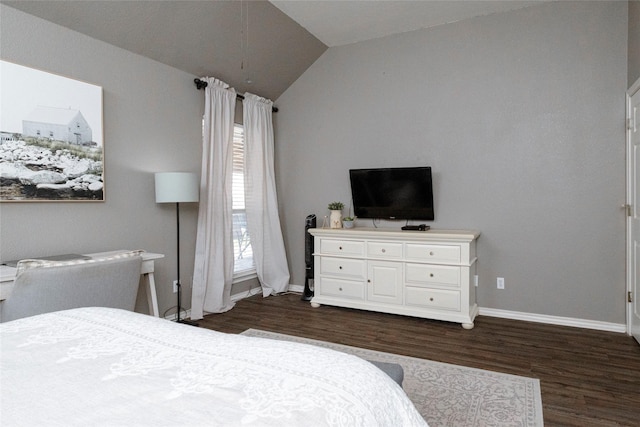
(51, 140)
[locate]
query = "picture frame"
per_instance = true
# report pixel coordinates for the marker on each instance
(51, 137)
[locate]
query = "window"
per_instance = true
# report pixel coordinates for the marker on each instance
(242, 251)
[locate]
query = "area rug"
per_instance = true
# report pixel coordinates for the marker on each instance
(451, 395)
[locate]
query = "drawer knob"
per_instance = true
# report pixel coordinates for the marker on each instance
(340, 267)
(384, 250)
(431, 253)
(340, 289)
(430, 274)
(340, 248)
(430, 299)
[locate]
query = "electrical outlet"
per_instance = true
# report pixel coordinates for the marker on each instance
(500, 282)
(475, 280)
(175, 286)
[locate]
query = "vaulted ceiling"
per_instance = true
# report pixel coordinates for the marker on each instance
(203, 38)
(256, 46)
(338, 23)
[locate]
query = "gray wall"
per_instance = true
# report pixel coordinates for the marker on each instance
(520, 116)
(152, 123)
(634, 42)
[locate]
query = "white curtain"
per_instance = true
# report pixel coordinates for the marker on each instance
(213, 268)
(261, 202)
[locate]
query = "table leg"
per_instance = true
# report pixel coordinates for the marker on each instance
(152, 296)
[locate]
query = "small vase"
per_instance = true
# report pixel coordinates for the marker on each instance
(335, 219)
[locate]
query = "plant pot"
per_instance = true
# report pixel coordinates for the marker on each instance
(348, 224)
(335, 219)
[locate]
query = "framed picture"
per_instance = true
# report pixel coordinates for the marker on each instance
(51, 146)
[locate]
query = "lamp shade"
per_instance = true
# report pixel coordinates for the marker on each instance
(176, 187)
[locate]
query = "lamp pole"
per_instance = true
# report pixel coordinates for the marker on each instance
(177, 187)
(178, 284)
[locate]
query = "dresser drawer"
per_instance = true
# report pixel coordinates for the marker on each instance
(342, 247)
(432, 298)
(333, 287)
(343, 267)
(428, 274)
(387, 250)
(433, 253)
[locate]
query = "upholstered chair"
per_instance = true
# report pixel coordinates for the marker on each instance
(45, 286)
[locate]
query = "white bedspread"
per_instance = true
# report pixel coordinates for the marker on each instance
(107, 367)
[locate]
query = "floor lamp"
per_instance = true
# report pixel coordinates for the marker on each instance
(177, 187)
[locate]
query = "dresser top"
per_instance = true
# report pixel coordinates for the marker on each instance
(393, 233)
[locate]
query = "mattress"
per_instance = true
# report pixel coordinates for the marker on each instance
(109, 367)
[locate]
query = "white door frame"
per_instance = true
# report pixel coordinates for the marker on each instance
(631, 175)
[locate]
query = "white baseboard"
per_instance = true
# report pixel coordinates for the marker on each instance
(246, 294)
(257, 290)
(172, 317)
(534, 317)
(491, 312)
(554, 320)
(296, 288)
(234, 298)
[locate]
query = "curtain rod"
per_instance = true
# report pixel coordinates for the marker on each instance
(201, 85)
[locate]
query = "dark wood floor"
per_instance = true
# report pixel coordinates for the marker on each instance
(588, 378)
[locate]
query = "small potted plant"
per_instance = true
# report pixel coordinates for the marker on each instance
(348, 221)
(335, 219)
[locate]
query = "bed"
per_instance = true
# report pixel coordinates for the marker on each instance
(111, 367)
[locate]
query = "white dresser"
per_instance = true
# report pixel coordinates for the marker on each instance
(428, 274)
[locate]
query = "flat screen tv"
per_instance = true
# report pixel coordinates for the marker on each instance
(392, 193)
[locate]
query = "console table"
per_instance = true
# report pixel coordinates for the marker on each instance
(428, 274)
(7, 274)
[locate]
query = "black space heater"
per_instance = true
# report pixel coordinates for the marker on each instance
(310, 222)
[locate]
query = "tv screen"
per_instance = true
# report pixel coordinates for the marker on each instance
(392, 193)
